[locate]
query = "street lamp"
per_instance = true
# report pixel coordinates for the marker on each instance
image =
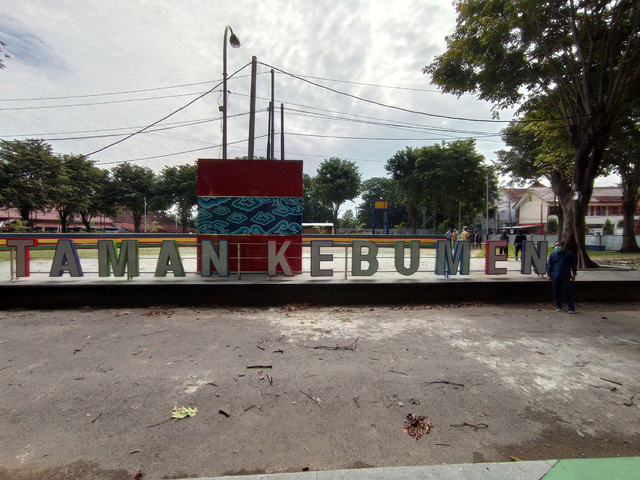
(235, 43)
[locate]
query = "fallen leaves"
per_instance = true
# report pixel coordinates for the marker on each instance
(183, 412)
(294, 306)
(416, 425)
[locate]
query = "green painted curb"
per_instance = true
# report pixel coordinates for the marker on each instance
(623, 468)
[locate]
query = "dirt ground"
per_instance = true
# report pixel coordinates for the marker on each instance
(89, 394)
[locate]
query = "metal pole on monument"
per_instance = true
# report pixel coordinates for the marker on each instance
(273, 116)
(282, 131)
(235, 43)
(252, 107)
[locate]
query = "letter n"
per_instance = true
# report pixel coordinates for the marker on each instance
(219, 259)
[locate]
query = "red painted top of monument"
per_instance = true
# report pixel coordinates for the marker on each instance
(249, 178)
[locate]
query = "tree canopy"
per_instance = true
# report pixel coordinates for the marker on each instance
(336, 182)
(576, 58)
(27, 175)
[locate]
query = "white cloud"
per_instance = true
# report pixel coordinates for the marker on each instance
(80, 47)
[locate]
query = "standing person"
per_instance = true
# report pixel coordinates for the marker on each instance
(478, 240)
(448, 235)
(519, 241)
(561, 269)
(504, 236)
(454, 237)
(465, 234)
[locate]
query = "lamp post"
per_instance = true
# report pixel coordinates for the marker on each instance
(235, 43)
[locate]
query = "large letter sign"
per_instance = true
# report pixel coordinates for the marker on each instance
(22, 254)
(66, 260)
(359, 257)
(169, 260)
(492, 257)
(537, 257)
(317, 256)
(127, 258)
(414, 257)
(447, 263)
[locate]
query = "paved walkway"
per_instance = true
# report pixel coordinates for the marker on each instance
(627, 468)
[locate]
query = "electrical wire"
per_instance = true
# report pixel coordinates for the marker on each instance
(174, 154)
(380, 104)
(163, 118)
(117, 93)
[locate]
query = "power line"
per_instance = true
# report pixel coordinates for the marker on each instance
(110, 102)
(117, 93)
(380, 104)
(372, 84)
(163, 118)
(176, 153)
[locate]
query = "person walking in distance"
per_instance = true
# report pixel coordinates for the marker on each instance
(448, 235)
(504, 236)
(519, 242)
(454, 237)
(478, 240)
(561, 269)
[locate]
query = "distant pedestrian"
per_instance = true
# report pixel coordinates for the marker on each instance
(465, 234)
(448, 235)
(519, 242)
(454, 237)
(561, 269)
(504, 236)
(478, 240)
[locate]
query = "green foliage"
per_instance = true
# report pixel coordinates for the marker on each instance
(348, 220)
(552, 226)
(620, 223)
(312, 210)
(28, 175)
(18, 226)
(336, 182)
(177, 186)
(574, 60)
(129, 187)
(449, 176)
(608, 228)
(79, 190)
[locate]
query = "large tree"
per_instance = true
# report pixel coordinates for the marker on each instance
(312, 209)
(131, 187)
(79, 190)
(455, 179)
(578, 57)
(178, 186)
(404, 171)
(624, 154)
(336, 182)
(27, 175)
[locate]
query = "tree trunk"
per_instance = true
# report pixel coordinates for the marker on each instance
(414, 212)
(585, 170)
(63, 220)
(86, 220)
(184, 218)
(137, 217)
(25, 213)
(629, 243)
(630, 185)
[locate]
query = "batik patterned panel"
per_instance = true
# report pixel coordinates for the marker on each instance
(250, 215)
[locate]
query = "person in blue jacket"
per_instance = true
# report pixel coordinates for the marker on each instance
(561, 269)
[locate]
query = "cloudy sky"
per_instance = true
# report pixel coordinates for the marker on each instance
(84, 74)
